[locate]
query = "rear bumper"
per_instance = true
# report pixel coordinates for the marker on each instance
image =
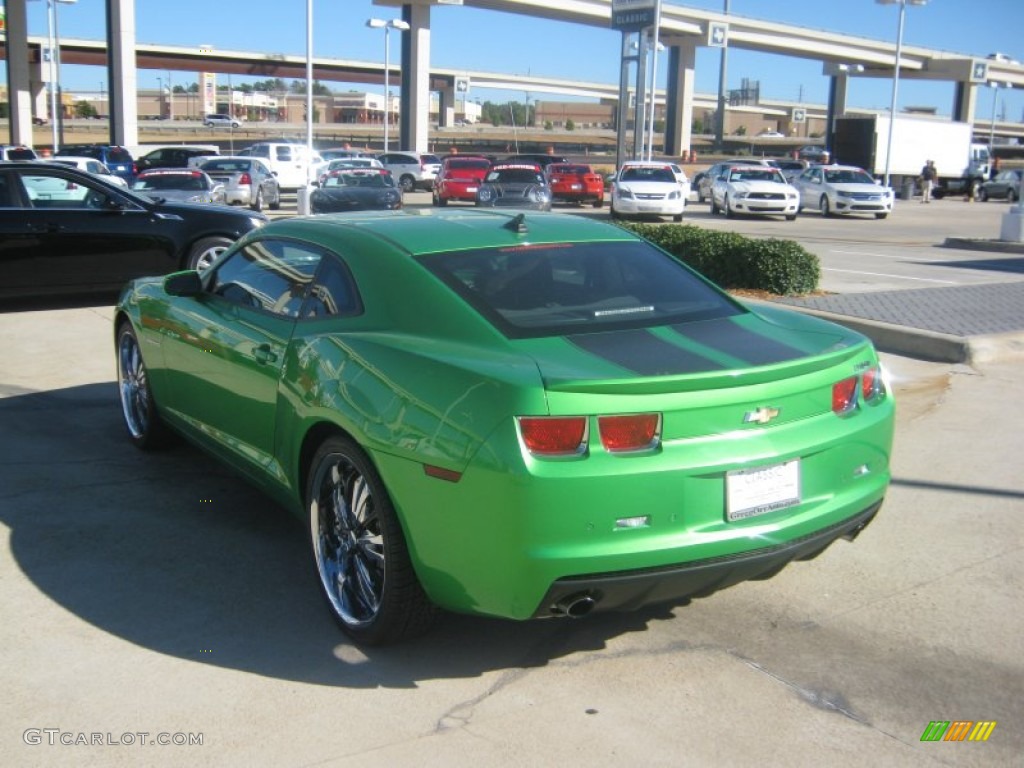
(630, 590)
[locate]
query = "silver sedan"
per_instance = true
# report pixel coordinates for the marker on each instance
(247, 181)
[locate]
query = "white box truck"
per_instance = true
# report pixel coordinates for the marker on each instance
(962, 164)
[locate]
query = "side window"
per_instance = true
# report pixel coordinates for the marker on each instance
(46, 191)
(7, 198)
(268, 275)
(333, 292)
(261, 151)
(284, 153)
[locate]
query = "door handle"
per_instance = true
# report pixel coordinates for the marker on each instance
(264, 354)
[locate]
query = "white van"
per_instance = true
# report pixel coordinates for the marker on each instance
(290, 162)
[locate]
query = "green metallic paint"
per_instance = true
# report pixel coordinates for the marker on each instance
(420, 378)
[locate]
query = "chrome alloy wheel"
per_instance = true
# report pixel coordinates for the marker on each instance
(133, 385)
(348, 540)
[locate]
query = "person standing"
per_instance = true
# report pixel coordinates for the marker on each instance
(928, 176)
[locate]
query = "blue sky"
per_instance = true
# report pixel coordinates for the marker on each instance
(485, 40)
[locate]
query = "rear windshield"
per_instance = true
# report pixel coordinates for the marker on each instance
(22, 153)
(226, 165)
(554, 290)
(118, 155)
(184, 181)
(482, 165)
(570, 169)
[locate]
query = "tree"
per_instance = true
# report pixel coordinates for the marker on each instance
(319, 89)
(84, 109)
(570, 125)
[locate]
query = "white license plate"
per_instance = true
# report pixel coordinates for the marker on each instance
(751, 492)
(576, 186)
(471, 189)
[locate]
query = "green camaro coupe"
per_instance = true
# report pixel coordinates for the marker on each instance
(524, 416)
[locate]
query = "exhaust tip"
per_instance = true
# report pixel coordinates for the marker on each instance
(575, 607)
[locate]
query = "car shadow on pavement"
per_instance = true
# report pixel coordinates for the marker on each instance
(171, 552)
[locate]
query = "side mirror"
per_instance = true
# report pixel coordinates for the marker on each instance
(187, 283)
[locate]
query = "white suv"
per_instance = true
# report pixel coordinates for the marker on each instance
(412, 170)
(289, 162)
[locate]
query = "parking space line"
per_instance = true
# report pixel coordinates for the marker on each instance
(897, 277)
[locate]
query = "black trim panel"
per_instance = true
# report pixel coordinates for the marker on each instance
(726, 336)
(629, 590)
(643, 353)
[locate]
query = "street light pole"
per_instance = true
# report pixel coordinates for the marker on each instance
(51, 16)
(53, 43)
(992, 126)
(387, 26)
(895, 76)
(654, 75)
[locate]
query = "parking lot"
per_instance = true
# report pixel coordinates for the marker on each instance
(859, 253)
(158, 598)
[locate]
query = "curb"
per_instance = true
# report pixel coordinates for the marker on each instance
(923, 344)
(995, 246)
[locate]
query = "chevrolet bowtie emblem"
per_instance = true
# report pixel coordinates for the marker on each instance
(760, 416)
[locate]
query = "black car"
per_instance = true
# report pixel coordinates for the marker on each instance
(64, 231)
(172, 157)
(356, 189)
(515, 185)
(118, 159)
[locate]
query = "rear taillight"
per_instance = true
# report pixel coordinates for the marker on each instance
(872, 384)
(844, 395)
(245, 178)
(636, 432)
(554, 436)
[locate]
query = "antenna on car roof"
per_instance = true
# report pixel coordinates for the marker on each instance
(517, 224)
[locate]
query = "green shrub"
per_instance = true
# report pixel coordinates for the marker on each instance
(731, 260)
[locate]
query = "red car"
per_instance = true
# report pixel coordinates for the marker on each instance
(459, 178)
(576, 184)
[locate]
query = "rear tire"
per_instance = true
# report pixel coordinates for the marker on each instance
(1011, 196)
(599, 203)
(407, 183)
(714, 207)
(677, 218)
(257, 203)
(982, 195)
(275, 204)
(359, 549)
(881, 215)
(728, 210)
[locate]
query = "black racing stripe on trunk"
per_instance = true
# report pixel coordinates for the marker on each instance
(736, 341)
(643, 353)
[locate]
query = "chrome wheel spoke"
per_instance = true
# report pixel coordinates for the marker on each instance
(349, 545)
